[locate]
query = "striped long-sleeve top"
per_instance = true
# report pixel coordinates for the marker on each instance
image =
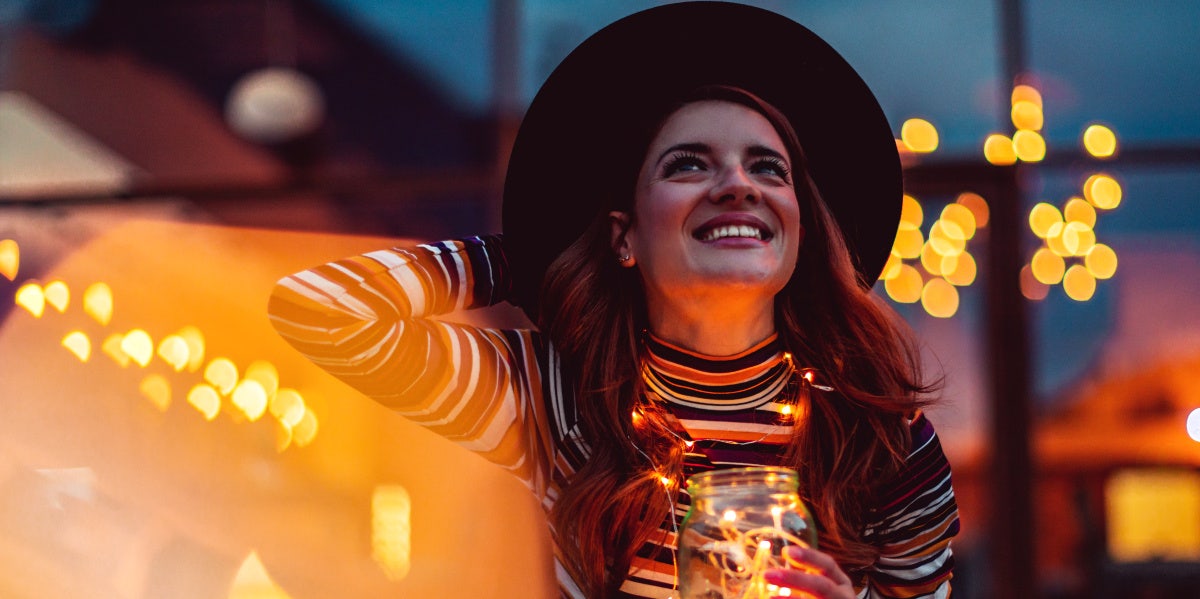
(503, 394)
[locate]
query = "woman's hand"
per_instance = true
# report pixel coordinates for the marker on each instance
(811, 573)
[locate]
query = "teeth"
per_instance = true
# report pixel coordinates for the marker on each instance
(734, 231)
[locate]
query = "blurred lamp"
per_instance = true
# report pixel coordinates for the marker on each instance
(274, 105)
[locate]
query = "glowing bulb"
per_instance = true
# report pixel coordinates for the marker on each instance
(1099, 141)
(1048, 267)
(998, 150)
(205, 398)
(919, 135)
(911, 214)
(1102, 191)
(57, 295)
(1079, 284)
(1101, 261)
(1193, 425)
(729, 515)
(112, 348)
(250, 398)
(98, 302)
(137, 345)
(78, 343)
(786, 409)
(905, 287)
(1032, 288)
(784, 592)
(666, 482)
(939, 298)
(689, 444)
(637, 417)
(174, 351)
(30, 297)
(977, 205)
(222, 375)
(10, 258)
(156, 389)
(288, 406)
(764, 545)
(1029, 145)
(1027, 115)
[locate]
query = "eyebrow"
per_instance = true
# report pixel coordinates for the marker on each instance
(756, 151)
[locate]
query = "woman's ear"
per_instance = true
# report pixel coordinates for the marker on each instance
(620, 222)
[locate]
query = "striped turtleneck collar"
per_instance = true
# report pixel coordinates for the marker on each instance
(745, 380)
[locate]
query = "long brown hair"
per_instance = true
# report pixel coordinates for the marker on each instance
(594, 313)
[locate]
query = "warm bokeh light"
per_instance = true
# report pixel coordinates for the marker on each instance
(977, 205)
(891, 268)
(1101, 261)
(919, 135)
(138, 345)
(1153, 515)
(1026, 93)
(1078, 210)
(1079, 284)
(288, 407)
(962, 217)
(908, 243)
(30, 297)
(998, 150)
(1048, 267)
(1032, 288)
(1099, 141)
(1029, 145)
(1102, 191)
(112, 348)
(1193, 425)
(57, 295)
(98, 302)
(206, 399)
(939, 298)
(1054, 240)
(1078, 238)
(250, 397)
(963, 272)
(391, 530)
(174, 351)
(78, 343)
(1042, 217)
(222, 375)
(1027, 115)
(253, 582)
(306, 430)
(931, 259)
(10, 258)
(157, 389)
(195, 343)
(947, 238)
(911, 214)
(265, 374)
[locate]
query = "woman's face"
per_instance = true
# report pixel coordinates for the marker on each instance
(715, 208)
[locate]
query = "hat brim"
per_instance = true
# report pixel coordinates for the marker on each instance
(570, 155)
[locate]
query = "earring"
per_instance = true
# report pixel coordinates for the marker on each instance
(625, 260)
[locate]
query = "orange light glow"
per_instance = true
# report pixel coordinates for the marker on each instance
(998, 150)
(288, 406)
(962, 217)
(908, 243)
(253, 582)
(1102, 191)
(1029, 145)
(156, 389)
(1027, 115)
(1153, 514)
(1043, 216)
(391, 530)
(112, 348)
(939, 298)
(964, 270)
(931, 258)
(57, 295)
(905, 287)
(1054, 240)
(1078, 210)
(919, 135)
(1079, 284)
(205, 398)
(1078, 238)
(1101, 261)
(31, 297)
(911, 213)
(250, 398)
(265, 374)
(306, 430)
(137, 345)
(195, 344)
(78, 343)
(222, 375)
(98, 302)
(10, 258)
(174, 351)
(1026, 93)
(1032, 288)
(1193, 425)
(891, 268)
(1048, 267)
(978, 207)
(1099, 141)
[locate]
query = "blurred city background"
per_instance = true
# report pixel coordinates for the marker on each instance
(163, 163)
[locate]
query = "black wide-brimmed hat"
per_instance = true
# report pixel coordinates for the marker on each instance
(577, 152)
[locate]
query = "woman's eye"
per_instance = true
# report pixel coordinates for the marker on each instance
(683, 163)
(774, 168)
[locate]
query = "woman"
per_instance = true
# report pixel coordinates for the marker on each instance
(688, 219)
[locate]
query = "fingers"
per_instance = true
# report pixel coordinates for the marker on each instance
(811, 573)
(816, 562)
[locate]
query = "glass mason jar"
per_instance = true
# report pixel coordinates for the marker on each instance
(739, 522)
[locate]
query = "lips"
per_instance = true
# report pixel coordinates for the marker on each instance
(738, 226)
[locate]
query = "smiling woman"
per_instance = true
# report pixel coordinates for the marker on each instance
(698, 258)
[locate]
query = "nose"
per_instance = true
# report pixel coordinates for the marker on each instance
(734, 185)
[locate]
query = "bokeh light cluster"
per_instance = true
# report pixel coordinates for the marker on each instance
(1070, 253)
(1026, 142)
(246, 394)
